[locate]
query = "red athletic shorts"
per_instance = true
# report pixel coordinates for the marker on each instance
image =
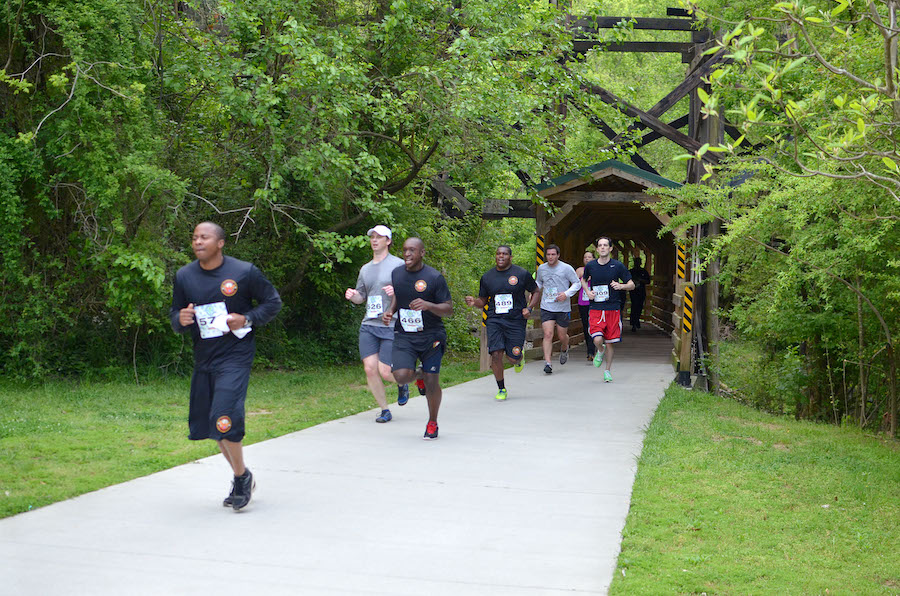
(606, 323)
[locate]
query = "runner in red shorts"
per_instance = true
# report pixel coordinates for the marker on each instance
(605, 281)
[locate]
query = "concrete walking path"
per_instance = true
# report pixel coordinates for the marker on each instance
(524, 497)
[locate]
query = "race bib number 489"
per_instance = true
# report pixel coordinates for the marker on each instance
(503, 303)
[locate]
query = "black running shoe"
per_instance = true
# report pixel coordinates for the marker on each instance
(548, 369)
(229, 500)
(243, 490)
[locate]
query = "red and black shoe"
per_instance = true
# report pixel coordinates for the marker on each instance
(431, 431)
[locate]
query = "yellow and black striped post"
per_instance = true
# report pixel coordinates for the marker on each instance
(484, 316)
(687, 324)
(682, 267)
(539, 256)
(688, 319)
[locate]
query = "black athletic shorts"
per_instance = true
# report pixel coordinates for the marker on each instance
(562, 318)
(217, 404)
(428, 348)
(506, 335)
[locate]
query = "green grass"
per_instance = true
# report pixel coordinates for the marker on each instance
(729, 500)
(59, 440)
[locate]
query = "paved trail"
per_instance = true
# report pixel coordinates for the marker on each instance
(523, 497)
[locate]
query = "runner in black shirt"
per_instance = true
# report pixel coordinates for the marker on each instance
(503, 289)
(213, 301)
(602, 280)
(421, 298)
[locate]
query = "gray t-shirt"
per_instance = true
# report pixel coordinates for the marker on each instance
(370, 285)
(556, 279)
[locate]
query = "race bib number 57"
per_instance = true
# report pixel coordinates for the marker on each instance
(206, 314)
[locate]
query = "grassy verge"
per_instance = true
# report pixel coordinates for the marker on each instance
(60, 440)
(728, 500)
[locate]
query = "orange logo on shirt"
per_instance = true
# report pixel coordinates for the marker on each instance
(223, 424)
(229, 287)
(421, 285)
(517, 350)
(513, 280)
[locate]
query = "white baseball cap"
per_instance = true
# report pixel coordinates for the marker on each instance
(381, 231)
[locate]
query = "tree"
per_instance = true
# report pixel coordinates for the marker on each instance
(818, 86)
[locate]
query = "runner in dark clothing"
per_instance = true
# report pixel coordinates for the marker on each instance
(213, 300)
(641, 279)
(421, 299)
(603, 282)
(503, 289)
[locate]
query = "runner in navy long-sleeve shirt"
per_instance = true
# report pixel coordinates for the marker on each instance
(219, 300)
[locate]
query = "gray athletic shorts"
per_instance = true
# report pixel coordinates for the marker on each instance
(376, 339)
(562, 318)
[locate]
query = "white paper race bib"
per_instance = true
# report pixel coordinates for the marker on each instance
(374, 307)
(601, 293)
(503, 303)
(550, 294)
(411, 320)
(584, 296)
(205, 315)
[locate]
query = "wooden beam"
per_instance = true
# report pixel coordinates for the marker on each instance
(610, 134)
(652, 136)
(604, 197)
(581, 46)
(648, 120)
(499, 209)
(559, 215)
(654, 24)
(451, 193)
(690, 82)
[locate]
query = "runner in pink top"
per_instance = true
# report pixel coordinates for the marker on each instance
(584, 306)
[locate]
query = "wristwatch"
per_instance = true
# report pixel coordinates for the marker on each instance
(247, 322)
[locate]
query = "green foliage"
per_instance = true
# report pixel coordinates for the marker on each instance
(295, 125)
(808, 267)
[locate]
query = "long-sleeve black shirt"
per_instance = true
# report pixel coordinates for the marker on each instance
(238, 285)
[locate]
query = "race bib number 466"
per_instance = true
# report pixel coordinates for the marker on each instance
(411, 320)
(206, 314)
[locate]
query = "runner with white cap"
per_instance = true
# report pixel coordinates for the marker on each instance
(374, 289)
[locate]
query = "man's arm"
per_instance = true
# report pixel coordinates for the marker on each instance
(179, 304)
(357, 295)
(266, 296)
(575, 283)
(389, 312)
(477, 302)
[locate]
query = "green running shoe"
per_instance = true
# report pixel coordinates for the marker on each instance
(598, 359)
(607, 378)
(501, 395)
(519, 365)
